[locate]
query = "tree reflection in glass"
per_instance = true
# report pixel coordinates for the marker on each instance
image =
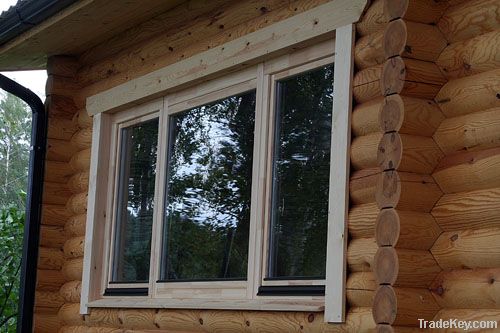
(301, 169)
(134, 214)
(209, 178)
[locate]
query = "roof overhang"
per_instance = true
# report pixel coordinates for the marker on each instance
(75, 29)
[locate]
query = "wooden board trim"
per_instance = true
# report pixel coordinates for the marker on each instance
(244, 51)
(338, 201)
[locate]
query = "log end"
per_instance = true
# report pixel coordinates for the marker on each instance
(391, 115)
(386, 265)
(393, 76)
(384, 305)
(388, 189)
(395, 37)
(390, 151)
(387, 227)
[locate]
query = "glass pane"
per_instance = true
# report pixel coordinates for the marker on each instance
(208, 191)
(134, 216)
(301, 170)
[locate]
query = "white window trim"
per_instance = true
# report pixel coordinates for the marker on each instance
(334, 301)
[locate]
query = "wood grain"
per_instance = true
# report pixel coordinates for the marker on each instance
(470, 132)
(469, 19)
(468, 288)
(473, 209)
(470, 94)
(470, 248)
(472, 56)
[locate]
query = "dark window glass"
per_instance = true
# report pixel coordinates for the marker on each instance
(209, 181)
(301, 171)
(134, 215)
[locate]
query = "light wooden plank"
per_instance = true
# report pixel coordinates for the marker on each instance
(94, 233)
(244, 51)
(338, 203)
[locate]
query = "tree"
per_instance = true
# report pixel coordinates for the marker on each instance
(15, 127)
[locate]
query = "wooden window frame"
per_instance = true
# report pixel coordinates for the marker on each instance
(260, 76)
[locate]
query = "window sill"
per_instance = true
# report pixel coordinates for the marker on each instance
(310, 304)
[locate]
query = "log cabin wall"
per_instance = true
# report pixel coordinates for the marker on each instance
(468, 251)
(58, 226)
(437, 229)
(408, 242)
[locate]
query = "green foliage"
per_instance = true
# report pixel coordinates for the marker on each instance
(15, 127)
(11, 246)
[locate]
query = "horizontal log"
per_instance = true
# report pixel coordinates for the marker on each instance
(369, 50)
(469, 171)
(80, 161)
(82, 139)
(403, 306)
(470, 19)
(50, 258)
(471, 56)
(195, 321)
(406, 229)
(468, 289)
(405, 191)
(474, 131)
(471, 248)
(362, 219)
(57, 172)
(373, 20)
(60, 150)
(54, 215)
(364, 151)
(55, 193)
(60, 107)
(60, 128)
(48, 299)
(76, 226)
(70, 291)
(77, 203)
(360, 254)
(362, 186)
(403, 114)
(411, 77)
(383, 11)
(82, 119)
(410, 39)
(61, 86)
(424, 42)
(73, 247)
(72, 269)
(69, 314)
(403, 267)
(49, 280)
(394, 151)
(360, 289)
(469, 315)
(470, 94)
(409, 153)
(79, 182)
(414, 78)
(52, 236)
(46, 323)
(473, 209)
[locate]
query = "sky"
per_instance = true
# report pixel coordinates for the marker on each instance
(33, 80)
